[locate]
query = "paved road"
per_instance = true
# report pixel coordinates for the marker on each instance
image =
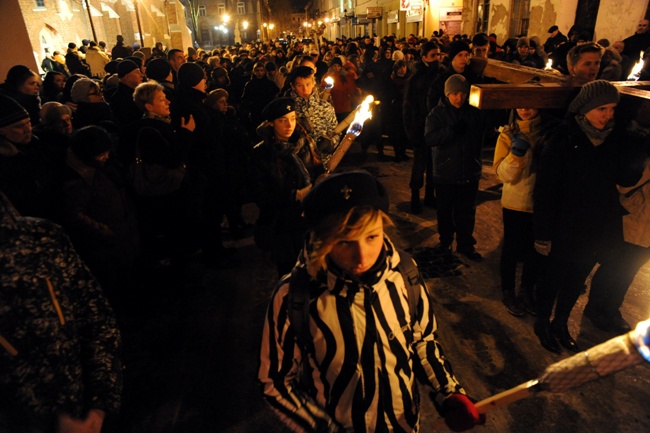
(192, 358)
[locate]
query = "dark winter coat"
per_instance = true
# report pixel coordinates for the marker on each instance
(124, 109)
(258, 92)
(62, 330)
(455, 136)
(575, 199)
(414, 108)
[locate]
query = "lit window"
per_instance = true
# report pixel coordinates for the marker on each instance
(241, 8)
(221, 9)
(202, 12)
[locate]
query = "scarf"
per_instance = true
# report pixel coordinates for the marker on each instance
(596, 136)
(149, 115)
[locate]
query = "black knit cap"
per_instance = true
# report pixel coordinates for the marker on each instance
(111, 67)
(593, 95)
(90, 142)
(158, 69)
(125, 67)
(11, 111)
(341, 192)
(190, 74)
(278, 108)
(456, 47)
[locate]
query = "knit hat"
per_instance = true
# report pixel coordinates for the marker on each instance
(398, 55)
(111, 67)
(137, 60)
(214, 96)
(335, 61)
(593, 95)
(80, 89)
(552, 29)
(89, 142)
(341, 192)
(125, 67)
(456, 83)
(523, 41)
(11, 111)
(190, 74)
(51, 112)
(456, 47)
(158, 69)
(278, 108)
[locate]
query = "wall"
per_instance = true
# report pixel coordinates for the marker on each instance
(618, 19)
(19, 51)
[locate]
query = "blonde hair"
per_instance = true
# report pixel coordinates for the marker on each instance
(339, 226)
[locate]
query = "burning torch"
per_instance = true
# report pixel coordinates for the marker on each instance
(329, 85)
(602, 360)
(636, 70)
(359, 116)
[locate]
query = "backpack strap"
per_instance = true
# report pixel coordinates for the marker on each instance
(300, 283)
(412, 281)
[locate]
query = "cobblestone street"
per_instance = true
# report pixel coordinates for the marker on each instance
(192, 358)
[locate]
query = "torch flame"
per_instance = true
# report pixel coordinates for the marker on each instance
(549, 65)
(363, 113)
(634, 75)
(329, 81)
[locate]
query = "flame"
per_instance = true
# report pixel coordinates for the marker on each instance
(329, 81)
(549, 65)
(363, 113)
(634, 75)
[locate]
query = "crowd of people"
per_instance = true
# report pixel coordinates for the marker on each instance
(143, 161)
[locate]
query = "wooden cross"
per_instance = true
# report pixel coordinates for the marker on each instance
(552, 91)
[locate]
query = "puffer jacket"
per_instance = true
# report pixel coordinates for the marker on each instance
(454, 136)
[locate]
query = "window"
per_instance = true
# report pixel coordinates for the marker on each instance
(202, 12)
(221, 9)
(483, 14)
(40, 4)
(241, 8)
(519, 18)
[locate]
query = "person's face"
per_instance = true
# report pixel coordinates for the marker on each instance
(30, 86)
(599, 116)
(618, 46)
(103, 157)
(284, 126)
(554, 33)
(642, 27)
(299, 48)
(460, 61)
(177, 60)
(523, 50)
(481, 51)
(357, 252)
(527, 113)
(457, 99)
(259, 72)
(18, 132)
(222, 104)
(388, 54)
(59, 81)
(401, 71)
(95, 94)
(64, 125)
(586, 68)
(303, 86)
(159, 105)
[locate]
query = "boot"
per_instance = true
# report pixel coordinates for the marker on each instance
(512, 303)
(543, 331)
(527, 298)
(416, 207)
(561, 332)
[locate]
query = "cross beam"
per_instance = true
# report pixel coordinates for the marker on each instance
(552, 90)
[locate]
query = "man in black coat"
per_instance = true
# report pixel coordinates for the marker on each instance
(124, 109)
(414, 111)
(555, 39)
(258, 92)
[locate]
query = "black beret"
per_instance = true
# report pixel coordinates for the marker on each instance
(158, 69)
(341, 192)
(111, 67)
(125, 67)
(457, 47)
(552, 29)
(278, 108)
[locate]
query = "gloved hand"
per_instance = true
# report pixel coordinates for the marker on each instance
(520, 145)
(460, 413)
(460, 127)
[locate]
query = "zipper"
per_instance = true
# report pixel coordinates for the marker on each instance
(55, 301)
(8, 347)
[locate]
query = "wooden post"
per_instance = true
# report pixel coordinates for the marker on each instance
(90, 18)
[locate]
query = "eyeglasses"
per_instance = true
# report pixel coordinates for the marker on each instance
(96, 92)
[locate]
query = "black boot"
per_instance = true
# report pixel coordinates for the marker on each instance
(543, 331)
(561, 332)
(416, 207)
(527, 298)
(512, 303)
